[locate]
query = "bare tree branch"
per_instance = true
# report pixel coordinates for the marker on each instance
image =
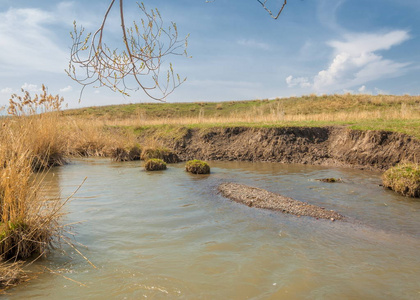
(138, 66)
(275, 17)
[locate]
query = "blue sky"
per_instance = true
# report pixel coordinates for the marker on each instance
(238, 52)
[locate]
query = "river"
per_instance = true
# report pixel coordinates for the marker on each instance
(170, 235)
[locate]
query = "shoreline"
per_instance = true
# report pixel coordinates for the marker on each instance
(325, 146)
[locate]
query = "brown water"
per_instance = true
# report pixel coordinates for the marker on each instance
(169, 235)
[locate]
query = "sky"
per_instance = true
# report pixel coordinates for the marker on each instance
(237, 51)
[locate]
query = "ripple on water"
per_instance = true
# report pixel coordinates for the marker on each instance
(170, 235)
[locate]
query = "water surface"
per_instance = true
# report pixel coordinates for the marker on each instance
(170, 235)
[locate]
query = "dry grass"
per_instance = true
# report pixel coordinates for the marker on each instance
(10, 274)
(393, 113)
(164, 154)
(258, 116)
(30, 142)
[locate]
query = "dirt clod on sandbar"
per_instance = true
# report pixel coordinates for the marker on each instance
(259, 198)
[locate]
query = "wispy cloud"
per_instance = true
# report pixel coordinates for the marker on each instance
(30, 87)
(302, 82)
(66, 89)
(6, 91)
(27, 42)
(250, 43)
(355, 62)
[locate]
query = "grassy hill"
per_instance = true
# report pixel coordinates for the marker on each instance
(381, 112)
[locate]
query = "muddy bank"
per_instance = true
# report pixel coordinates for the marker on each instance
(331, 146)
(259, 198)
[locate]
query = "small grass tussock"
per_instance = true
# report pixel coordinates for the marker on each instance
(155, 164)
(403, 179)
(161, 153)
(197, 167)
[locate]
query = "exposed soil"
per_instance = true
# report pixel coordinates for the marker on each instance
(259, 198)
(330, 146)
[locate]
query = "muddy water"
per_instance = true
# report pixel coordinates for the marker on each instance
(169, 235)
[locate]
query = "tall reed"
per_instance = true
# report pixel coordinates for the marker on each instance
(30, 142)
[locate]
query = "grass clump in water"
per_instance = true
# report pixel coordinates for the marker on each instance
(155, 164)
(197, 167)
(403, 179)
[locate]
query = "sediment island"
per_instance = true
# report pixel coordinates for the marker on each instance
(259, 198)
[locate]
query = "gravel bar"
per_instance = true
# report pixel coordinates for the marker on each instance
(259, 198)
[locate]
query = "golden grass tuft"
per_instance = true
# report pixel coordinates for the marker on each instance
(403, 179)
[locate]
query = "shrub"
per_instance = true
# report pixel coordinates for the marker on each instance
(155, 164)
(197, 167)
(403, 179)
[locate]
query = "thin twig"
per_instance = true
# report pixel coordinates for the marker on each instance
(80, 253)
(275, 17)
(65, 277)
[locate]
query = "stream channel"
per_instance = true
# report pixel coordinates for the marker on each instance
(170, 235)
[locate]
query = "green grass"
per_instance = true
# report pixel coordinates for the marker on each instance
(305, 105)
(409, 127)
(197, 167)
(403, 179)
(359, 112)
(155, 164)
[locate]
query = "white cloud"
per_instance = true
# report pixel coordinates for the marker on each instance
(362, 89)
(253, 44)
(381, 92)
(7, 91)
(30, 87)
(302, 82)
(68, 88)
(27, 42)
(356, 62)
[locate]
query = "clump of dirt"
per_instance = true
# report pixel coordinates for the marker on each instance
(259, 198)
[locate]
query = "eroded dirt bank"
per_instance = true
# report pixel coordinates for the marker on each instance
(332, 146)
